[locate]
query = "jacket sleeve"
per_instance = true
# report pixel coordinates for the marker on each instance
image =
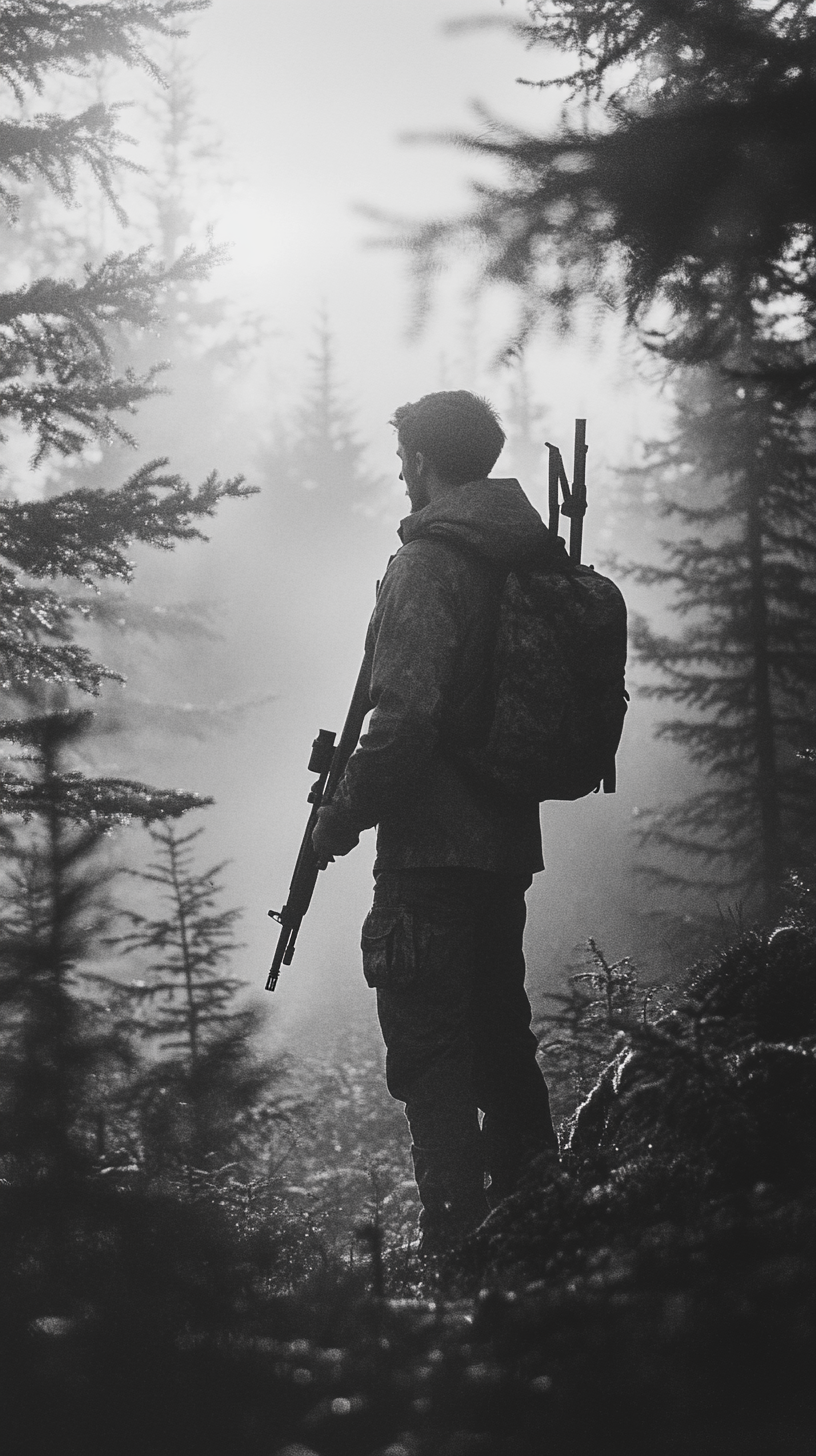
(413, 642)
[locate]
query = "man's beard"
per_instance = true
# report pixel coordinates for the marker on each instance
(417, 493)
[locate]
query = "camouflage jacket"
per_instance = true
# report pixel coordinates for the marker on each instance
(429, 645)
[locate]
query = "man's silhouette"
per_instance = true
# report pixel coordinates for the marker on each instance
(442, 943)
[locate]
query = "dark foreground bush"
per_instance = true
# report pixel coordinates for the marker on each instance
(654, 1294)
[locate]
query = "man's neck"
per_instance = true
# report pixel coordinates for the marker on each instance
(436, 487)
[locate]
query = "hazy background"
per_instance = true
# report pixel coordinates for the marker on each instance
(297, 116)
(312, 103)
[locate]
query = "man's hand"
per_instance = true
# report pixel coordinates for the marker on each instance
(332, 835)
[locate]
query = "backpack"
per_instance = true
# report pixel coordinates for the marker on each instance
(557, 694)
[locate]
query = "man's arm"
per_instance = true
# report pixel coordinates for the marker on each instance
(414, 641)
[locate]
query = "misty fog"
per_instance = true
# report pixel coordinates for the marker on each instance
(291, 118)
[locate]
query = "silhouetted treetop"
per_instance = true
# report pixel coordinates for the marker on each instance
(682, 172)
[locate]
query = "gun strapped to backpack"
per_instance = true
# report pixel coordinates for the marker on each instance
(557, 689)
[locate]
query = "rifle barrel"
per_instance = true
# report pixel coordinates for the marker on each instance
(300, 894)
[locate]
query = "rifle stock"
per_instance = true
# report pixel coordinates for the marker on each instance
(328, 761)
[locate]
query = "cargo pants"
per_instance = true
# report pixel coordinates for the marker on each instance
(443, 949)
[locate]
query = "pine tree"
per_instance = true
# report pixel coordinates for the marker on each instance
(587, 1026)
(55, 1039)
(58, 379)
(315, 465)
(680, 174)
(209, 343)
(57, 375)
(60, 382)
(81, 536)
(198, 1096)
(737, 477)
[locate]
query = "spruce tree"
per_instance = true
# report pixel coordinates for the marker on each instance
(209, 343)
(57, 373)
(737, 478)
(58, 377)
(61, 383)
(585, 1028)
(681, 173)
(54, 884)
(315, 465)
(198, 1094)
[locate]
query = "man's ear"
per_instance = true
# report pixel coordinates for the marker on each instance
(420, 463)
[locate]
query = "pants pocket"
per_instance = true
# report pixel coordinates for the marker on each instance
(389, 948)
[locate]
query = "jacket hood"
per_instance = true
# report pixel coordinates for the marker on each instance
(493, 518)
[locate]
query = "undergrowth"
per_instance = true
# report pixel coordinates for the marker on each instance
(652, 1294)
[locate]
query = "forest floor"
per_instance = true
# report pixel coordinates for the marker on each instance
(653, 1294)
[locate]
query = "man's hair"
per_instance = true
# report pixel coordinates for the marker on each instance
(457, 431)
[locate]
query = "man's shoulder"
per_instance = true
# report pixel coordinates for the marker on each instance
(434, 556)
(423, 562)
(447, 585)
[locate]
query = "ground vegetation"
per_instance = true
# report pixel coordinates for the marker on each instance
(654, 1293)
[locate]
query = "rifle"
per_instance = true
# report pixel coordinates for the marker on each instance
(575, 499)
(328, 761)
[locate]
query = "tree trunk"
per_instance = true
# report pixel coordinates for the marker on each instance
(764, 738)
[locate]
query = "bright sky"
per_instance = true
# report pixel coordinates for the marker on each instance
(312, 100)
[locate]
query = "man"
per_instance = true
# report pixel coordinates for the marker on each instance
(442, 944)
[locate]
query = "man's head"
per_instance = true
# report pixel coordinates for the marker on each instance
(448, 438)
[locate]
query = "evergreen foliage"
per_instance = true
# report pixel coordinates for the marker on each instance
(58, 379)
(57, 375)
(655, 1296)
(81, 536)
(197, 1097)
(68, 1055)
(189, 988)
(737, 476)
(315, 463)
(209, 344)
(578, 1037)
(40, 38)
(56, 1042)
(56, 369)
(681, 174)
